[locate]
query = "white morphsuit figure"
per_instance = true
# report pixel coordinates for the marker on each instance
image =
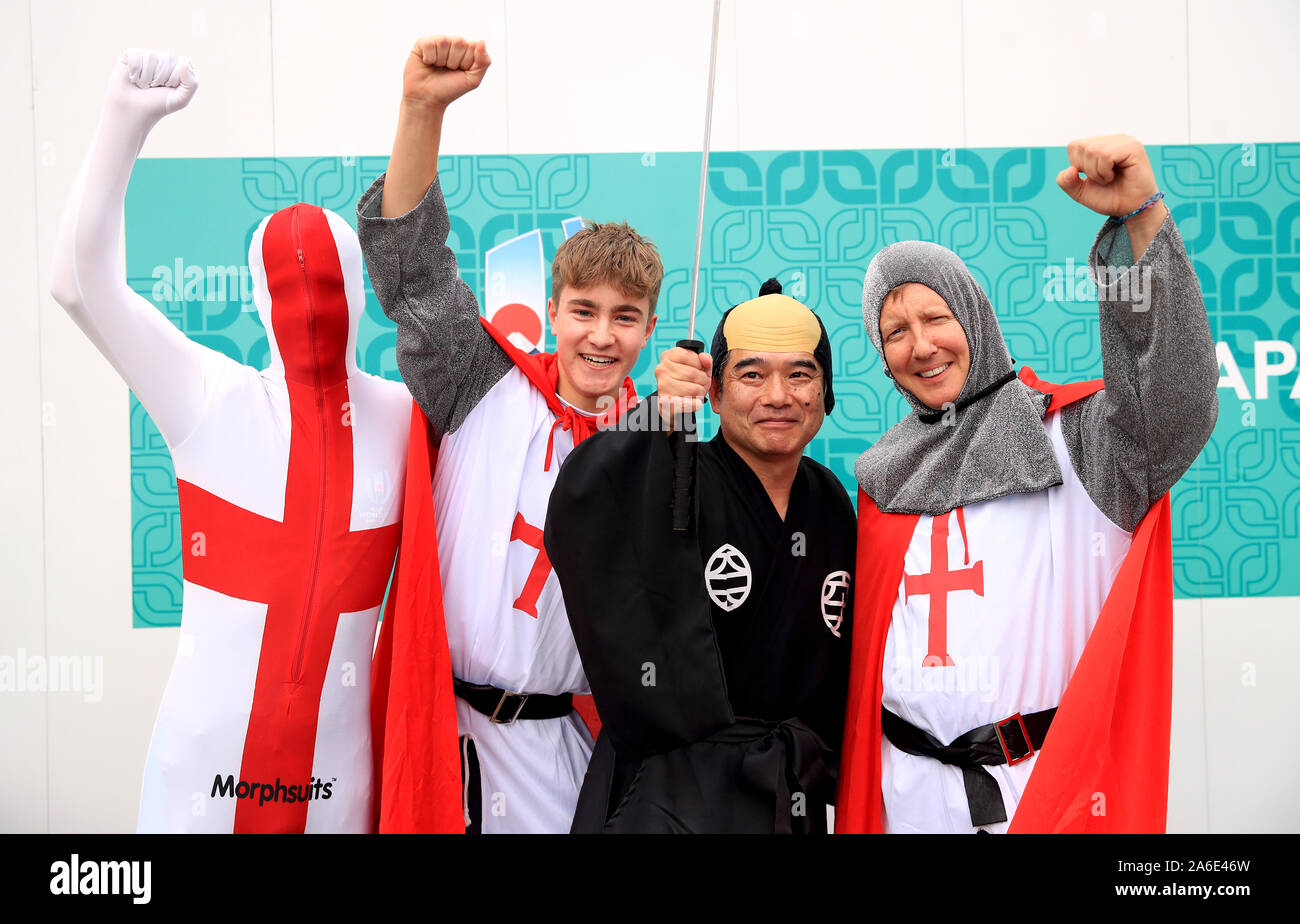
(290, 485)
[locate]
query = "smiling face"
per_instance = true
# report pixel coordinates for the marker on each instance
(924, 344)
(769, 404)
(599, 333)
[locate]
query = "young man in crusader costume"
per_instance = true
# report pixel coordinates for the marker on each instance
(1011, 662)
(503, 423)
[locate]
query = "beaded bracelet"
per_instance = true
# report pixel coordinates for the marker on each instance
(1119, 220)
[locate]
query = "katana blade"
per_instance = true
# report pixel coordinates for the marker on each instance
(704, 169)
(684, 465)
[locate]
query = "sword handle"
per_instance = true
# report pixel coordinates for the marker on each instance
(684, 469)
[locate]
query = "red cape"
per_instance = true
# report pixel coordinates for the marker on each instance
(412, 706)
(417, 782)
(1104, 767)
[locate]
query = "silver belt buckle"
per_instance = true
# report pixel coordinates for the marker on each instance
(496, 713)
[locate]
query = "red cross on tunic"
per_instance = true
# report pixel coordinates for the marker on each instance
(311, 566)
(530, 535)
(939, 583)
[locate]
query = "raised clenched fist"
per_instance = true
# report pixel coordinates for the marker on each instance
(1118, 174)
(442, 68)
(152, 83)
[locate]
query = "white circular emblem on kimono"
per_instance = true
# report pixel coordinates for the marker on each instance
(727, 577)
(835, 592)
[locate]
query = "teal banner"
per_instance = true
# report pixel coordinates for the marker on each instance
(813, 219)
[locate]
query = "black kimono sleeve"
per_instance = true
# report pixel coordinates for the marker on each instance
(633, 590)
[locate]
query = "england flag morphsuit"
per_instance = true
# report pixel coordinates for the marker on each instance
(290, 484)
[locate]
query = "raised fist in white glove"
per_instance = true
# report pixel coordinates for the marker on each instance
(152, 84)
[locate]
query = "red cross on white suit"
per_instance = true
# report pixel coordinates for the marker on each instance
(311, 566)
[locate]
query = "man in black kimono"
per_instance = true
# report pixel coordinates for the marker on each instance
(718, 657)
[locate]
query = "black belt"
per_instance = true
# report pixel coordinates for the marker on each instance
(1009, 741)
(503, 707)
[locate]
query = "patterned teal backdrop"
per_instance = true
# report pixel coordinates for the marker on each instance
(813, 219)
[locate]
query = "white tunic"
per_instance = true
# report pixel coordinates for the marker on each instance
(1048, 560)
(491, 471)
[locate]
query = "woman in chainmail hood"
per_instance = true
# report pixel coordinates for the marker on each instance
(986, 443)
(1013, 546)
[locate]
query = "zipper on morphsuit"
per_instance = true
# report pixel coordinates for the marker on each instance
(304, 626)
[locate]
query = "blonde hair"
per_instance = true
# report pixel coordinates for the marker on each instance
(610, 253)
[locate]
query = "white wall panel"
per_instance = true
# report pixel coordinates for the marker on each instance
(1251, 690)
(1188, 799)
(849, 75)
(76, 42)
(595, 76)
(338, 75)
(1044, 73)
(1245, 67)
(22, 572)
(725, 132)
